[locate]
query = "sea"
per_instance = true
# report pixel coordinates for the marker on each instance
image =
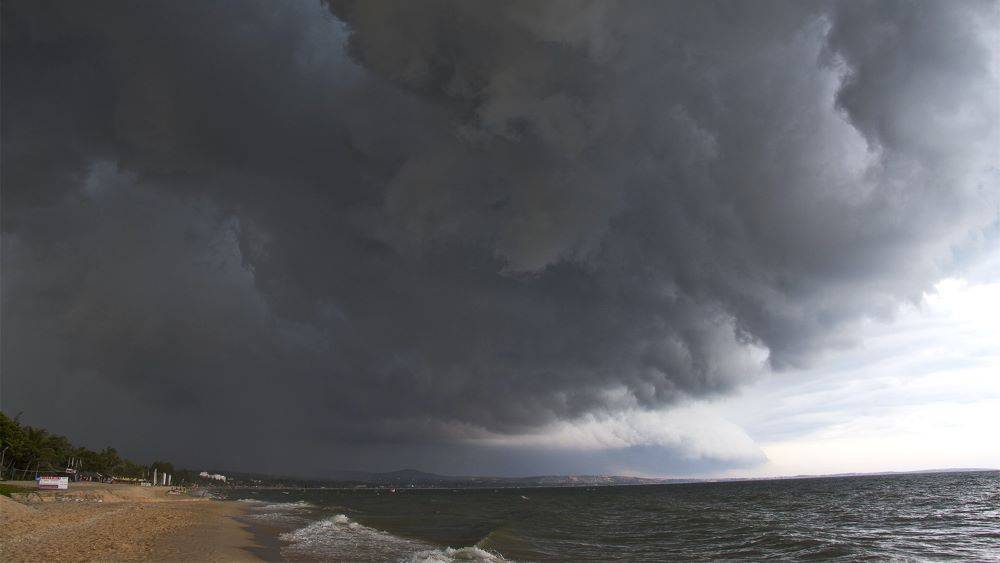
(900, 517)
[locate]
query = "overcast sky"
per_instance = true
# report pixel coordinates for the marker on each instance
(685, 238)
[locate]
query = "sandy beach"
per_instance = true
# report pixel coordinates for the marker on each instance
(94, 521)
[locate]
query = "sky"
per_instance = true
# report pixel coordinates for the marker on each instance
(663, 239)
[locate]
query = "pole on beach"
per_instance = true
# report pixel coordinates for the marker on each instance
(154, 476)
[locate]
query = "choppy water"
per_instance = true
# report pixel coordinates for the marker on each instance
(929, 516)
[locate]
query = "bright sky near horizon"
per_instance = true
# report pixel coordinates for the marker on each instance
(921, 392)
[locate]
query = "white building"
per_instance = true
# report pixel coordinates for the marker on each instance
(215, 476)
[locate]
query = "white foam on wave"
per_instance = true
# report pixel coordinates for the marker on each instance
(262, 505)
(277, 512)
(448, 555)
(340, 537)
(287, 506)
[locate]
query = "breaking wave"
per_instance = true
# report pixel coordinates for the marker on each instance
(339, 537)
(449, 554)
(291, 513)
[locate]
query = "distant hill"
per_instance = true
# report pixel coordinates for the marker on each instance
(416, 478)
(406, 478)
(422, 479)
(402, 476)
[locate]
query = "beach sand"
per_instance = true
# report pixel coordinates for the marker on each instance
(94, 521)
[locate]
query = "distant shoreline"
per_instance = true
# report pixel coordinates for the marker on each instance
(501, 484)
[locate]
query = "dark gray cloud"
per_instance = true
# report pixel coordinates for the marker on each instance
(385, 229)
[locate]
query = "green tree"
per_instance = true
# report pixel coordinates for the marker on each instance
(30, 447)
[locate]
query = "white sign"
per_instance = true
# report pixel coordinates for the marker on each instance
(59, 483)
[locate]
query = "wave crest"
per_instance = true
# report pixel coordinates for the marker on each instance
(448, 555)
(339, 537)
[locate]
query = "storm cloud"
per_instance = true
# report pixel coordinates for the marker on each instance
(378, 229)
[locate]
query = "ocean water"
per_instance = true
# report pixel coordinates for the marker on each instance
(916, 517)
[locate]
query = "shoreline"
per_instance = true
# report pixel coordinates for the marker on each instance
(97, 521)
(265, 538)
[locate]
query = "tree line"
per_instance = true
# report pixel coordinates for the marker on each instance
(27, 450)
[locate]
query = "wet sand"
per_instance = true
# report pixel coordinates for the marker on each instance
(103, 522)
